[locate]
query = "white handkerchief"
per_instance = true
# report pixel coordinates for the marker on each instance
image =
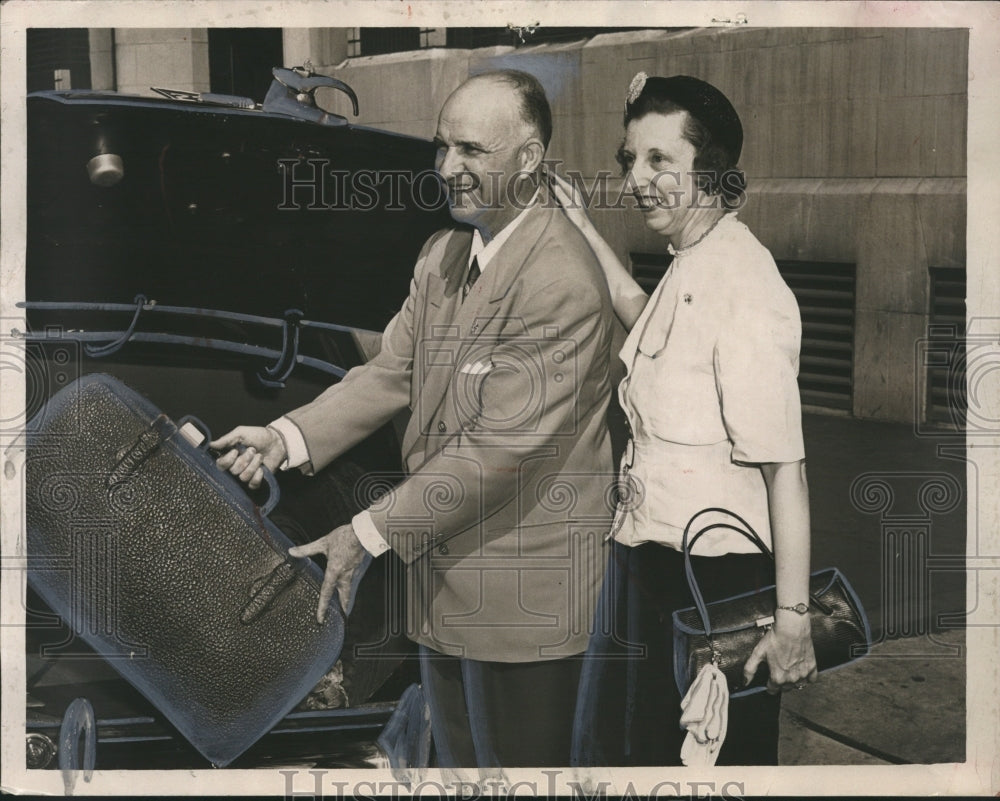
(705, 715)
(476, 368)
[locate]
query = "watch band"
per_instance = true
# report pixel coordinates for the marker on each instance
(799, 608)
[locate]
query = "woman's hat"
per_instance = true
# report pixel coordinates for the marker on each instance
(700, 99)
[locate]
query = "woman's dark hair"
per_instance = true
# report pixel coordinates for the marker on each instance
(711, 126)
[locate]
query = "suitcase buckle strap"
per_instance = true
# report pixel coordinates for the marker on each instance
(145, 445)
(266, 589)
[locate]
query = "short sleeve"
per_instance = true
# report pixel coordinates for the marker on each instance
(756, 368)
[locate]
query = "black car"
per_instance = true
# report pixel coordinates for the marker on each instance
(228, 259)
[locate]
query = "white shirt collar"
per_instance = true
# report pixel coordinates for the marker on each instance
(486, 251)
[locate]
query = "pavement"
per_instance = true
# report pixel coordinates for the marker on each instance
(902, 704)
(888, 509)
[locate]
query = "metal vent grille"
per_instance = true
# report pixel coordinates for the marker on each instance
(946, 395)
(825, 293)
(648, 269)
(51, 49)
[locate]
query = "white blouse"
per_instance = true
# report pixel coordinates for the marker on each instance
(710, 392)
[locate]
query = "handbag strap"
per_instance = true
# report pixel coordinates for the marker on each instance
(687, 543)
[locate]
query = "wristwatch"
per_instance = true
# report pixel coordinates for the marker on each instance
(799, 608)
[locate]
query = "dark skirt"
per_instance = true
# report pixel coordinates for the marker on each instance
(628, 708)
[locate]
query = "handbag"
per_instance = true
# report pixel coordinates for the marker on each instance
(164, 566)
(725, 632)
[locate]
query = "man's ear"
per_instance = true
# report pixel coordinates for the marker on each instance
(532, 153)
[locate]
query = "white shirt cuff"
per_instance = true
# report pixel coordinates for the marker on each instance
(368, 535)
(296, 452)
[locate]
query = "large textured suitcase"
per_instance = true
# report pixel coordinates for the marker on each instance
(169, 570)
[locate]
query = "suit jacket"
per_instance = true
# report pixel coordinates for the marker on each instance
(507, 499)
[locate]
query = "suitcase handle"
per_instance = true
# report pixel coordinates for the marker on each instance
(273, 492)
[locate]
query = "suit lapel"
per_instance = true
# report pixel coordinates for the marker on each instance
(453, 326)
(486, 296)
(512, 258)
(439, 338)
(445, 282)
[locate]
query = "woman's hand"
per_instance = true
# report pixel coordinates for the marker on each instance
(627, 297)
(573, 205)
(788, 649)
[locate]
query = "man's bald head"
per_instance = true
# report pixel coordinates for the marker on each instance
(533, 105)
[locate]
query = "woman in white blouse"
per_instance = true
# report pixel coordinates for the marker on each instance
(713, 407)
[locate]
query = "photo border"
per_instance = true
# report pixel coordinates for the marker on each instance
(978, 775)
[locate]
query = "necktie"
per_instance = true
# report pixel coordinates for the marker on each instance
(474, 273)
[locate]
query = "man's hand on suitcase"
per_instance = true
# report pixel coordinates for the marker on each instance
(263, 446)
(344, 553)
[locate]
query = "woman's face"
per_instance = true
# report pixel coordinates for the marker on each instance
(660, 164)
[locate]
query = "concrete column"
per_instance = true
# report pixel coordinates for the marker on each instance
(322, 47)
(907, 226)
(102, 71)
(175, 58)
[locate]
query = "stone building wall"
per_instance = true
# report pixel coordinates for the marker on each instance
(855, 145)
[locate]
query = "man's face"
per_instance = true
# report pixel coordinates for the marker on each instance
(480, 139)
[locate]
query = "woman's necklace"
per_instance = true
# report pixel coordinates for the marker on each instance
(687, 248)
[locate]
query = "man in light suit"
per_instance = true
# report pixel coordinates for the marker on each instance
(501, 352)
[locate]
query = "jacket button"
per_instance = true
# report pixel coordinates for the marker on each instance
(442, 426)
(443, 550)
